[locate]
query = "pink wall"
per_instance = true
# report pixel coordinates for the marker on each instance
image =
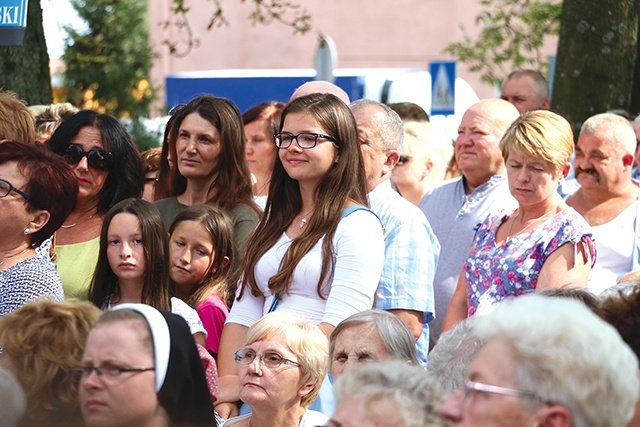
(367, 33)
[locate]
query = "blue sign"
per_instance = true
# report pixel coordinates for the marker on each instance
(13, 21)
(443, 83)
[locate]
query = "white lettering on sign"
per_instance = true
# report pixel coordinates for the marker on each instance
(9, 15)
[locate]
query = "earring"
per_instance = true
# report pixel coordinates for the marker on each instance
(26, 231)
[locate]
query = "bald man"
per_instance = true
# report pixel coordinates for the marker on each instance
(527, 90)
(320, 86)
(458, 205)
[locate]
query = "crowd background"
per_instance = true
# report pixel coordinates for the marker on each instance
(262, 258)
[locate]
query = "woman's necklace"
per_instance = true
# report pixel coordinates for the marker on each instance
(303, 221)
(13, 256)
(513, 219)
(79, 222)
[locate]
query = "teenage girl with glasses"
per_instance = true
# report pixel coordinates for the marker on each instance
(309, 254)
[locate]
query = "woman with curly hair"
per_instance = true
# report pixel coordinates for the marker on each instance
(41, 342)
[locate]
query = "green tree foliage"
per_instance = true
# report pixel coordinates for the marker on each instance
(513, 33)
(108, 65)
(25, 69)
(264, 12)
(597, 58)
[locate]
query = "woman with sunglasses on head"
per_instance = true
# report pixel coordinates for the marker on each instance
(37, 192)
(206, 145)
(108, 169)
(315, 252)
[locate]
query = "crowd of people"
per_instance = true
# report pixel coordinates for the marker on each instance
(320, 262)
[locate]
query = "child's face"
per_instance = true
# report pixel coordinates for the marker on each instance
(125, 249)
(191, 253)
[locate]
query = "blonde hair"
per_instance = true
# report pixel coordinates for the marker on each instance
(540, 134)
(17, 123)
(45, 340)
(304, 338)
(424, 141)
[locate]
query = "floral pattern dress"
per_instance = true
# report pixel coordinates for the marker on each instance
(496, 272)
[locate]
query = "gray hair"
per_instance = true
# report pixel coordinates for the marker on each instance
(453, 353)
(394, 333)
(539, 82)
(416, 396)
(613, 128)
(390, 130)
(636, 123)
(567, 355)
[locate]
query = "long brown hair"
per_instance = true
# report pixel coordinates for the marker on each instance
(233, 181)
(219, 225)
(342, 184)
(156, 289)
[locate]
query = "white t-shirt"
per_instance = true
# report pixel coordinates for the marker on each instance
(183, 310)
(358, 245)
(614, 247)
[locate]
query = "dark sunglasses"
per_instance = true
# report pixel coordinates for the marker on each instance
(403, 159)
(96, 159)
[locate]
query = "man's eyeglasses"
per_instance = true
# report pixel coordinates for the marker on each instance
(96, 158)
(304, 140)
(246, 356)
(6, 188)
(403, 159)
(471, 387)
(108, 372)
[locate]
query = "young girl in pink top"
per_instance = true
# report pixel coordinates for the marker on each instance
(200, 251)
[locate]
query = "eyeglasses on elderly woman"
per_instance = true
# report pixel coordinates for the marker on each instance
(470, 388)
(6, 188)
(246, 356)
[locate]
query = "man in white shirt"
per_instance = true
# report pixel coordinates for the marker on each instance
(608, 197)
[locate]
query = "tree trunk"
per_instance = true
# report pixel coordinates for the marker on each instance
(635, 95)
(25, 69)
(596, 58)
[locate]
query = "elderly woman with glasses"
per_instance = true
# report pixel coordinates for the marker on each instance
(141, 367)
(37, 192)
(108, 169)
(280, 370)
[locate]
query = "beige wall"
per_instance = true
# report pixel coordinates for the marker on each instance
(367, 33)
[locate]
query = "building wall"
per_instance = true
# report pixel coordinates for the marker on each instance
(367, 33)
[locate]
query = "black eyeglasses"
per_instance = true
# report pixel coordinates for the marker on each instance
(110, 372)
(96, 158)
(246, 356)
(304, 140)
(403, 159)
(6, 188)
